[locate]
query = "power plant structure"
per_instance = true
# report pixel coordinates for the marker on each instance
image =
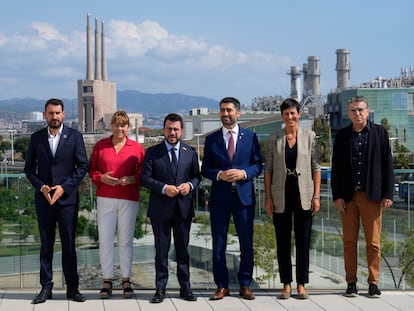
(96, 95)
(311, 98)
(295, 91)
(343, 69)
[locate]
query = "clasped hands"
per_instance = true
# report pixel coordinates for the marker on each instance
(172, 190)
(114, 181)
(232, 175)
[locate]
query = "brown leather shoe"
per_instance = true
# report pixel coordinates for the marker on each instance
(286, 292)
(246, 293)
(302, 292)
(220, 294)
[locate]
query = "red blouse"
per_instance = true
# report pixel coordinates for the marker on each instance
(127, 162)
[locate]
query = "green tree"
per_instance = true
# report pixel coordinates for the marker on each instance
(407, 258)
(264, 251)
(386, 125)
(401, 153)
(21, 144)
(323, 132)
(4, 144)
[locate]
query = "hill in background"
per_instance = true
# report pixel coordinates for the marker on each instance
(131, 101)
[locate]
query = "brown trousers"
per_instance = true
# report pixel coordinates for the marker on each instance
(370, 213)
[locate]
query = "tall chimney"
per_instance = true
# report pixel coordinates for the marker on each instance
(104, 70)
(98, 74)
(343, 68)
(305, 80)
(295, 82)
(89, 70)
(314, 75)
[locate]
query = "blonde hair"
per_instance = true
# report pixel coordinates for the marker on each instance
(120, 117)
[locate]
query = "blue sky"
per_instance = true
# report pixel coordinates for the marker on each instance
(212, 48)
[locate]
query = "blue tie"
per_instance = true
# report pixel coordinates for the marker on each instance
(174, 161)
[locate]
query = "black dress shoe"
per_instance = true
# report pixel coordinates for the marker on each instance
(187, 294)
(75, 295)
(158, 296)
(42, 296)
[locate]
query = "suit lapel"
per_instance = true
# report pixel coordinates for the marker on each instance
(62, 141)
(45, 142)
(239, 143)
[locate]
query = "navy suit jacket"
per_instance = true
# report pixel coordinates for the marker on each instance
(67, 168)
(380, 170)
(247, 157)
(157, 172)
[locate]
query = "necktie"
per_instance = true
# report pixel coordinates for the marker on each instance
(230, 147)
(174, 161)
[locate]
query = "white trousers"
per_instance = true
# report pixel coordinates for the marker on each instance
(116, 215)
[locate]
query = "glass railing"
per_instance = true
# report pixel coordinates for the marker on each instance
(19, 248)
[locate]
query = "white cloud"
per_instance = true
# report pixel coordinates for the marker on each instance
(3, 39)
(47, 32)
(142, 56)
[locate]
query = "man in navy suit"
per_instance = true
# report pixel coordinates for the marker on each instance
(56, 162)
(231, 160)
(171, 172)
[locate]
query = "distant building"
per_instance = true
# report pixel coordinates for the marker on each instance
(96, 95)
(198, 111)
(203, 124)
(36, 116)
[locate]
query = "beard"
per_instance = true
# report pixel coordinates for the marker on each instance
(54, 124)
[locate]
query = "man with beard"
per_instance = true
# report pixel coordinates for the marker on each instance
(231, 160)
(171, 172)
(56, 163)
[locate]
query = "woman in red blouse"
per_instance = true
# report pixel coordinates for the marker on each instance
(115, 168)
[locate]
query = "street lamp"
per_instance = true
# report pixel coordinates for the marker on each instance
(199, 163)
(12, 132)
(198, 146)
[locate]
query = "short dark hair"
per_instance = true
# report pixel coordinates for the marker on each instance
(54, 102)
(173, 117)
(231, 100)
(288, 103)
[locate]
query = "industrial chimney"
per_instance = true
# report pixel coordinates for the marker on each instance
(295, 73)
(343, 69)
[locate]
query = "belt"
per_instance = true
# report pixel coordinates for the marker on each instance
(359, 189)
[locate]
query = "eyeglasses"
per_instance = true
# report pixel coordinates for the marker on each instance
(359, 110)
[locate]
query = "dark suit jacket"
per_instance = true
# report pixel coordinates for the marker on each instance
(157, 171)
(247, 157)
(380, 170)
(67, 168)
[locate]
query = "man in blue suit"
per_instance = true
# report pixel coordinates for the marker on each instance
(56, 162)
(171, 172)
(231, 160)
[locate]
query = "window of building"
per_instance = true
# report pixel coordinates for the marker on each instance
(399, 101)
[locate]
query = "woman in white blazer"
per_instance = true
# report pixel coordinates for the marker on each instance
(292, 186)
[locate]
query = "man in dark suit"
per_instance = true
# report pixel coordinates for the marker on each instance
(362, 185)
(171, 172)
(56, 162)
(231, 160)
